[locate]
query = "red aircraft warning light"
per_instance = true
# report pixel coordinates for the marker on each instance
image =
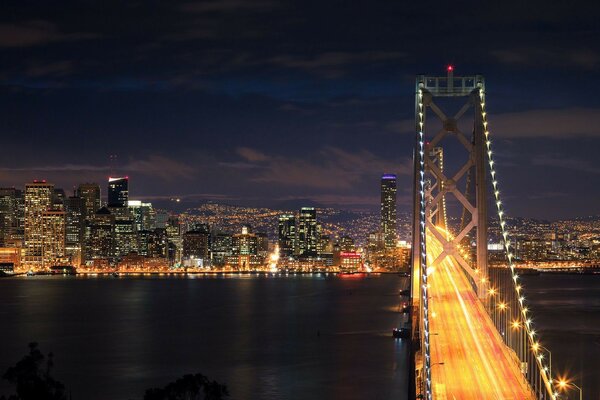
(450, 68)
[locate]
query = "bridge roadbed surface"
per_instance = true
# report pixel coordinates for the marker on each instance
(475, 362)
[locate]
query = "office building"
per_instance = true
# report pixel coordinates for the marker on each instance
(90, 193)
(388, 210)
(53, 238)
(307, 233)
(74, 228)
(118, 191)
(286, 235)
(38, 200)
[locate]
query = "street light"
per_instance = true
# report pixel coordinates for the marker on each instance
(564, 385)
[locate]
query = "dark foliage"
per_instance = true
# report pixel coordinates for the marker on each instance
(189, 387)
(32, 379)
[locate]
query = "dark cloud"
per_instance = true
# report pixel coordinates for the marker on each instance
(271, 100)
(34, 33)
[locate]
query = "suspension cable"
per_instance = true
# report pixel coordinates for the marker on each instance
(526, 322)
(422, 235)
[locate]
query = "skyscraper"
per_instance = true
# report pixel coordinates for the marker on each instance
(8, 214)
(90, 193)
(38, 200)
(118, 191)
(53, 233)
(74, 227)
(307, 233)
(287, 235)
(388, 210)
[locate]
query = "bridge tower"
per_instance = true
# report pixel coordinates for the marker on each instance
(432, 185)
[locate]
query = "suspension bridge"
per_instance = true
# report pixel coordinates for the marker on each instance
(472, 331)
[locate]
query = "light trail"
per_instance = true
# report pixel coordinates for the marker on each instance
(476, 363)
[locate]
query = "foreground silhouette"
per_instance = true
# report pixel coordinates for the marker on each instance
(33, 381)
(189, 387)
(32, 378)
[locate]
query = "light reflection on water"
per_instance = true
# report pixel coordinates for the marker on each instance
(293, 337)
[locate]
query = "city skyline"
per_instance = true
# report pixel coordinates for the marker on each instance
(275, 116)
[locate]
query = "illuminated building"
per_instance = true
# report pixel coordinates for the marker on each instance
(307, 233)
(9, 222)
(351, 262)
(196, 245)
(74, 228)
(10, 259)
(346, 244)
(53, 238)
(262, 244)
(90, 193)
(99, 236)
(245, 250)
(153, 243)
(286, 235)
(118, 191)
(125, 237)
(388, 210)
(143, 214)
(221, 248)
(38, 200)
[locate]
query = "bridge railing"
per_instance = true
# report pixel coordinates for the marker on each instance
(506, 302)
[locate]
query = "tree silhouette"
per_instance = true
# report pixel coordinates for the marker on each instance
(32, 379)
(189, 387)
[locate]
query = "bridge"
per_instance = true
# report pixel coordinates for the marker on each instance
(472, 330)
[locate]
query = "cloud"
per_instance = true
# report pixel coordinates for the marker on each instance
(33, 33)
(154, 165)
(328, 168)
(561, 123)
(251, 155)
(60, 68)
(548, 123)
(554, 160)
(331, 64)
(535, 56)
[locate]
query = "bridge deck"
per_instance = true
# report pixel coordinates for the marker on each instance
(476, 364)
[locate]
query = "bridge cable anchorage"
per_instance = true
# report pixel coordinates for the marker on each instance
(530, 346)
(423, 261)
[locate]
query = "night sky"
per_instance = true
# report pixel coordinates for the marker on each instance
(279, 103)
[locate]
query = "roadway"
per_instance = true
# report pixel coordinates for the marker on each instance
(476, 363)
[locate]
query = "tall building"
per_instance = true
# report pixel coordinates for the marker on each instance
(8, 215)
(221, 248)
(287, 235)
(74, 228)
(53, 233)
(99, 236)
(196, 245)
(118, 191)
(388, 210)
(143, 214)
(90, 193)
(307, 237)
(38, 200)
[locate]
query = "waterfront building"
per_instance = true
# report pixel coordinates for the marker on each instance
(53, 238)
(286, 235)
(74, 228)
(221, 248)
(38, 200)
(196, 246)
(9, 213)
(307, 232)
